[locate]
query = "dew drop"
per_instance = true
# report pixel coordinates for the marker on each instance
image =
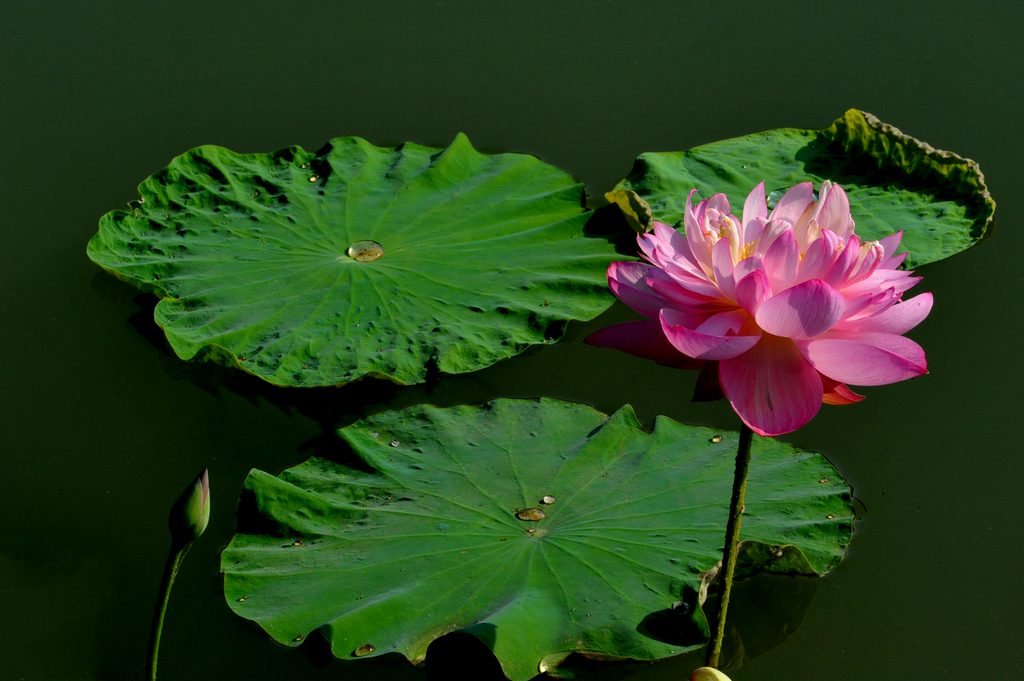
(531, 514)
(363, 650)
(243, 599)
(715, 439)
(823, 481)
(365, 251)
(547, 499)
(394, 443)
(831, 516)
(313, 178)
(375, 434)
(299, 637)
(297, 542)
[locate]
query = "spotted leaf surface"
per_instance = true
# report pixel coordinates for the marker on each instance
(894, 182)
(541, 527)
(311, 269)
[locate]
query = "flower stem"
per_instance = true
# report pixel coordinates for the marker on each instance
(732, 540)
(174, 559)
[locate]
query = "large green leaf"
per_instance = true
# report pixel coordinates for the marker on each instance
(269, 261)
(894, 181)
(429, 537)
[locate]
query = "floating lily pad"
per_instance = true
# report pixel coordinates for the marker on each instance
(894, 181)
(311, 269)
(541, 527)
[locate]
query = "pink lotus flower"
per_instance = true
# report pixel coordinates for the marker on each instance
(789, 304)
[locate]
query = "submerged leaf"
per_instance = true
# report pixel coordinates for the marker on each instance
(894, 182)
(426, 538)
(311, 269)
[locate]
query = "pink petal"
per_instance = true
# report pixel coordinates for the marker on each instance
(867, 262)
(746, 266)
(772, 387)
(890, 243)
(693, 228)
(844, 263)
(695, 282)
(721, 262)
(866, 301)
(674, 257)
(896, 319)
(794, 203)
(755, 206)
(643, 339)
(818, 258)
(781, 261)
(752, 290)
(895, 261)
(891, 260)
(880, 280)
(867, 359)
(753, 229)
(647, 245)
(723, 323)
(833, 210)
(837, 393)
(701, 345)
(626, 280)
(674, 246)
(802, 311)
(688, 296)
(772, 231)
(718, 202)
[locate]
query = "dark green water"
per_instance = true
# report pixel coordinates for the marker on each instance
(100, 426)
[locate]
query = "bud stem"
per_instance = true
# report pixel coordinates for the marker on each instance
(174, 559)
(732, 540)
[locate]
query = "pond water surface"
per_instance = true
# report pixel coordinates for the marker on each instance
(101, 426)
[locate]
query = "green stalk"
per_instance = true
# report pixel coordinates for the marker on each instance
(732, 540)
(174, 559)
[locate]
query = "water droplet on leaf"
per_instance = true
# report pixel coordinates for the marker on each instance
(365, 251)
(532, 514)
(394, 443)
(547, 499)
(363, 650)
(243, 599)
(715, 439)
(313, 178)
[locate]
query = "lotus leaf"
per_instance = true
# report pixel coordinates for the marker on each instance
(313, 269)
(541, 527)
(894, 181)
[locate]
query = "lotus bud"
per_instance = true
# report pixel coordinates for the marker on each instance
(191, 512)
(708, 674)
